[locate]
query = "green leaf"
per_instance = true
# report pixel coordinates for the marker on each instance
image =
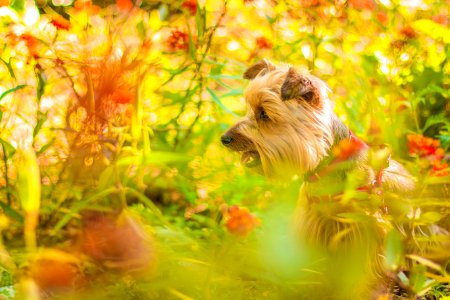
(153, 158)
(28, 181)
(11, 212)
(18, 5)
(394, 250)
(40, 122)
(8, 148)
(141, 30)
(83, 204)
(200, 20)
(192, 48)
(21, 86)
(433, 120)
(41, 85)
(9, 67)
(217, 100)
(45, 147)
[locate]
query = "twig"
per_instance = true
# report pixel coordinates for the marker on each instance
(5, 162)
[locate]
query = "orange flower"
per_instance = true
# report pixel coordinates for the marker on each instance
(118, 242)
(408, 32)
(382, 17)
(190, 5)
(32, 44)
(362, 4)
(263, 43)
(348, 148)
(124, 5)
(178, 40)
(239, 221)
(4, 3)
(439, 168)
(122, 96)
(309, 3)
(60, 22)
(440, 19)
(424, 146)
(86, 5)
(53, 275)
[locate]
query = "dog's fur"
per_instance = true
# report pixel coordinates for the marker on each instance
(291, 129)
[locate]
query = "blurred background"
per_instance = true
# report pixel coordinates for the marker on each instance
(113, 180)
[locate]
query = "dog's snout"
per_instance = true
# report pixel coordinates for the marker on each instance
(226, 139)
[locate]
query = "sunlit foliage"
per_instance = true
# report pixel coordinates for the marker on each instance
(113, 180)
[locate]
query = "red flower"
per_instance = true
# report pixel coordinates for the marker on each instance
(428, 148)
(190, 5)
(60, 22)
(263, 43)
(124, 5)
(408, 32)
(348, 148)
(439, 168)
(239, 221)
(424, 146)
(178, 40)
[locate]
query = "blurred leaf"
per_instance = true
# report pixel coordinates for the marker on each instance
(45, 147)
(192, 47)
(155, 158)
(28, 180)
(9, 67)
(41, 85)
(417, 278)
(425, 262)
(434, 30)
(200, 20)
(10, 150)
(430, 217)
(18, 5)
(142, 31)
(433, 120)
(42, 117)
(11, 212)
(12, 90)
(86, 203)
(217, 100)
(394, 250)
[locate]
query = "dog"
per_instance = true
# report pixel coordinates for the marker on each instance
(290, 130)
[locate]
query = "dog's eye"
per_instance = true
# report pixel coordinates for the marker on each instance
(262, 115)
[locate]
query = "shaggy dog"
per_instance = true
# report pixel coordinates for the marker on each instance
(291, 130)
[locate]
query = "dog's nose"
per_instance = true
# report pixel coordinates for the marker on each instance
(226, 140)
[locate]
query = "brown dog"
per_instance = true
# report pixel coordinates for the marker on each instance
(290, 129)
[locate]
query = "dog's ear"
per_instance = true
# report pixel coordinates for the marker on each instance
(260, 68)
(298, 86)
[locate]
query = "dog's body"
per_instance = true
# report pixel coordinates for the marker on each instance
(290, 129)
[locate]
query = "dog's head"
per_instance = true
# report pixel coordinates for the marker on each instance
(288, 126)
